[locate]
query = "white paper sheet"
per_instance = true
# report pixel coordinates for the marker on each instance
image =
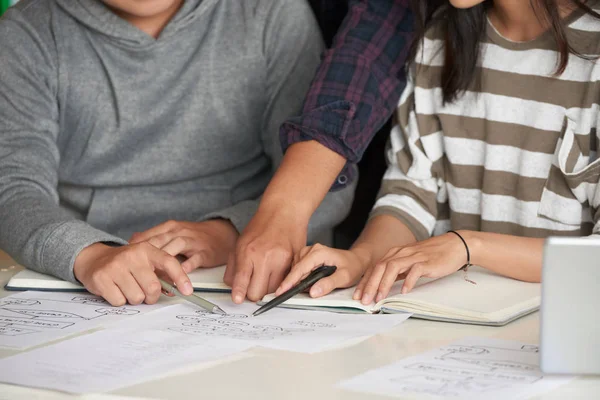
(107, 360)
(170, 339)
(32, 318)
(471, 368)
(283, 329)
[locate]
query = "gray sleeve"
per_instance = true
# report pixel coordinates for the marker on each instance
(34, 230)
(292, 46)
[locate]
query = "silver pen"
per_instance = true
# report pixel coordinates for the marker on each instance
(192, 298)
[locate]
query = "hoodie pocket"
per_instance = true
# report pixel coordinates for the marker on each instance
(571, 187)
(122, 211)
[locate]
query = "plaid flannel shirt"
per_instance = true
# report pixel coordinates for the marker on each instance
(358, 84)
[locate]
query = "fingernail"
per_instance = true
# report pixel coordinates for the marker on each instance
(403, 291)
(316, 291)
(366, 299)
(187, 286)
(379, 297)
(238, 299)
(357, 294)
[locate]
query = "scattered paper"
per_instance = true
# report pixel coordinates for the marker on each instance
(32, 318)
(170, 339)
(472, 368)
(283, 329)
(107, 360)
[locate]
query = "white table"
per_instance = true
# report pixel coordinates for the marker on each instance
(268, 374)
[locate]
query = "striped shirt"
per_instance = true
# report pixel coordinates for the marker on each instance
(515, 154)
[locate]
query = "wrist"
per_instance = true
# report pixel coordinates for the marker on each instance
(475, 244)
(87, 256)
(285, 208)
(364, 254)
(226, 227)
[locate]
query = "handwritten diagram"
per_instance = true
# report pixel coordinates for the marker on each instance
(473, 368)
(291, 330)
(235, 326)
(470, 368)
(26, 316)
(31, 318)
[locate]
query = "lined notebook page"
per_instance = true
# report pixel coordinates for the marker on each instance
(493, 297)
(492, 294)
(209, 278)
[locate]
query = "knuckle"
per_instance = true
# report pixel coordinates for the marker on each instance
(280, 252)
(244, 273)
(418, 266)
(154, 288)
(179, 241)
(137, 298)
(171, 224)
(117, 302)
(405, 251)
(187, 232)
(143, 246)
(380, 266)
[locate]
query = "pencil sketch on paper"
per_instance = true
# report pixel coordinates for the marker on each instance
(473, 368)
(460, 369)
(235, 326)
(35, 315)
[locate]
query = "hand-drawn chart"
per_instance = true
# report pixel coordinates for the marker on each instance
(235, 326)
(31, 318)
(292, 330)
(471, 368)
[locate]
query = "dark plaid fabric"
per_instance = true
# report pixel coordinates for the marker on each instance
(358, 85)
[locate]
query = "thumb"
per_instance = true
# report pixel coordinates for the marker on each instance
(199, 259)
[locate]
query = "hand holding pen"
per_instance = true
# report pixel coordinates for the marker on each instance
(319, 273)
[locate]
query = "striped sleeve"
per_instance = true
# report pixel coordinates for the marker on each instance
(572, 192)
(409, 189)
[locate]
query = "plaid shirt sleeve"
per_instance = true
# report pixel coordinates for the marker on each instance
(358, 84)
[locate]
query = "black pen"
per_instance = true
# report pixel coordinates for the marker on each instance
(319, 273)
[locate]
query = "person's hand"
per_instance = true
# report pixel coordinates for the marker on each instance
(432, 258)
(264, 254)
(128, 273)
(350, 267)
(204, 244)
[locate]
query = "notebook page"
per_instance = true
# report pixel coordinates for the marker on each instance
(209, 278)
(341, 298)
(491, 294)
(28, 279)
(201, 278)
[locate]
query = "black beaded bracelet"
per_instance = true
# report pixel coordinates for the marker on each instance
(468, 264)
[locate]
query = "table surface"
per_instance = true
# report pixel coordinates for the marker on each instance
(269, 374)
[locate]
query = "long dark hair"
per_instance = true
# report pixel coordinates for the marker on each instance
(464, 29)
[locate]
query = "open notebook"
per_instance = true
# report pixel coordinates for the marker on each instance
(493, 300)
(203, 280)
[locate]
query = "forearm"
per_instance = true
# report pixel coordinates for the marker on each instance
(513, 256)
(358, 83)
(382, 233)
(303, 179)
(41, 236)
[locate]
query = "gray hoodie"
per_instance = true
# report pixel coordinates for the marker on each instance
(106, 131)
